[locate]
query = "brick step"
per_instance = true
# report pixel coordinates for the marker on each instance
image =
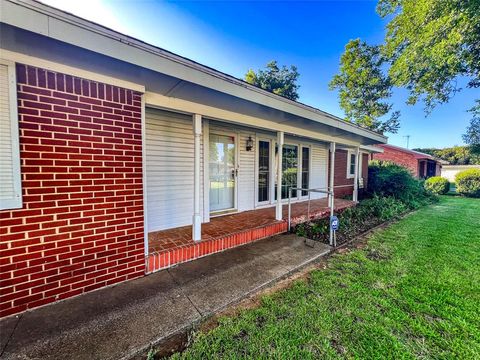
(162, 260)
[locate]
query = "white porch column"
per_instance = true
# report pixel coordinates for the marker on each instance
(278, 212)
(332, 196)
(197, 217)
(332, 171)
(355, 177)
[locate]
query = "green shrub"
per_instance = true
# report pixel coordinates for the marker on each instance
(437, 185)
(355, 220)
(468, 183)
(389, 179)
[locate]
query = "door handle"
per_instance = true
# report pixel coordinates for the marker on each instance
(234, 173)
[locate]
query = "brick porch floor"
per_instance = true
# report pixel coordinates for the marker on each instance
(173, 246)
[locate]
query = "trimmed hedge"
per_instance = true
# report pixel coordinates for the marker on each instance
(467, 183)
(437, 185)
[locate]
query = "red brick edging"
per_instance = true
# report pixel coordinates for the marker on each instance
(161, 260)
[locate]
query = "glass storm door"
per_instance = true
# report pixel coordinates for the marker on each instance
(222, 172)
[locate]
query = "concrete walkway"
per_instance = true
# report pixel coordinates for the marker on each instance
(119, 322)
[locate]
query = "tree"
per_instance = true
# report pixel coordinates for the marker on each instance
(456, 155)
(430, 47)
(364, 87)
(280, 81)
(430, 44)
(472, 136)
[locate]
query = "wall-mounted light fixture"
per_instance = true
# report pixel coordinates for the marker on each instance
(249, 144)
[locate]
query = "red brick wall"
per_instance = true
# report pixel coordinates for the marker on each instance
(365, 159)
(340, 177)
(341, 162)
(399, 157)
(81, 225)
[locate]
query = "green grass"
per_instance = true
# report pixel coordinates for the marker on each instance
(412, 292)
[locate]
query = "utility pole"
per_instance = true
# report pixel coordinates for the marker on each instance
(408, 139)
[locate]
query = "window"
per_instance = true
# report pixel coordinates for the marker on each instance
(305, 169)
(263, 171)
(289, 169)
(10, 181)
(351, 157)
(352, 164)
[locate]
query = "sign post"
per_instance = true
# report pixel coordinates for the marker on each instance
(334, 225)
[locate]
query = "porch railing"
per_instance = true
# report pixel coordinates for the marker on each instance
(331, 199)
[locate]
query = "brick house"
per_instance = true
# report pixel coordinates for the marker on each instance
(345, 164)
(119, 158)
(419, 164)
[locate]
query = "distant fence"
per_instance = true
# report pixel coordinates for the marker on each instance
(449, 171)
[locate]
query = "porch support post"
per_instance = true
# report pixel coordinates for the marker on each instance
(355, 177)
(197, 217)
(332, 171)
(278, 212)
(331, 195)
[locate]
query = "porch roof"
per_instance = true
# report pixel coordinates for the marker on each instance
(182, 77)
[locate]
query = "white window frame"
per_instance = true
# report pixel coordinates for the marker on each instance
(236, 135)
(16, 202)
(271, 194)
(301, 168)
(349, 163)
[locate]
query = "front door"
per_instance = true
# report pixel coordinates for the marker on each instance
(223, 172)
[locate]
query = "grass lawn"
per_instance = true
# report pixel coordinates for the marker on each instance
(412, 292)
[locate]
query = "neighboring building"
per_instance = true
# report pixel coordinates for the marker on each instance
(118, 158)
(450, 171)
(420, 165)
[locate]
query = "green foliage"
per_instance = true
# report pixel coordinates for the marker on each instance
(430, 44)
(151, 354)
(280, 81)
(369, 213)
(472, 136)
(431, 48)
(468, 183)
(456, 155)
(389, 179)
(437, 185)
(412, 292)
(363, 88)
(355, 220)
(317, 230)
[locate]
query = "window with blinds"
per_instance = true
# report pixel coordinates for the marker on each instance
(10, 181)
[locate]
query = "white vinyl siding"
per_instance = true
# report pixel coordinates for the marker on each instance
(169, 167)
(319, 168)
(10, 177)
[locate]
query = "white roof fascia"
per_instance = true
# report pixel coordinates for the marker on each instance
(56, 24)
(363, 148)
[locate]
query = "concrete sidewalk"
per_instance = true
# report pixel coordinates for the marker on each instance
(119, 322)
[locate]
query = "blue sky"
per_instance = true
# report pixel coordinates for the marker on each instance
(233, 36)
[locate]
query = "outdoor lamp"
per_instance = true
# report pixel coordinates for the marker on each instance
(249, 143)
